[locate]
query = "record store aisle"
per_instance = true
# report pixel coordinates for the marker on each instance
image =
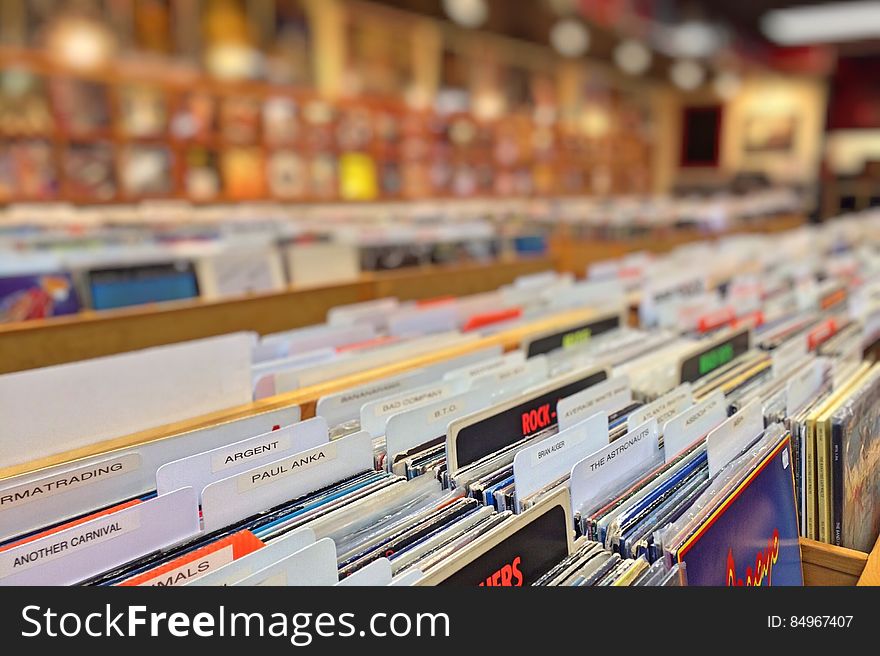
(525, 436)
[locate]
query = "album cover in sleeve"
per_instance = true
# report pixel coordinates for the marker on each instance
(855, 474)
(751, 538)
(37, 296)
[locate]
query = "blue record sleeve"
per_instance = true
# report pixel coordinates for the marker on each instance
(751, 538)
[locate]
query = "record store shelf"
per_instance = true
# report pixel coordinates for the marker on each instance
(823, 564)
(93, 334)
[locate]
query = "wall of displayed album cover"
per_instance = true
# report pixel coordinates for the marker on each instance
(751, 538)
(37, 296)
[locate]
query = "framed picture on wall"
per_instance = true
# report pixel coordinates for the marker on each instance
(770, 133)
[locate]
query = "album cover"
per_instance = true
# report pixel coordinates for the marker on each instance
(37, 297)
(751, 539)
(855, 473)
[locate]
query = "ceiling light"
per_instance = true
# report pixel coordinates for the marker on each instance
(467, 13)
(570, 38)
(828, 23)
(695, 39)
(632, 57)
(687, 74)
(727, 84)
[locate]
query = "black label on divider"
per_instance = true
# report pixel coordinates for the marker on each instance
(510, 426)
(572, 336)
(521, 558)
(715, 356)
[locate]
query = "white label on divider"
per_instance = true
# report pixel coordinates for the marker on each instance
(80, 552)
(299, 437)
(212, 561)
(374, 415)
(732, 436)
(312, 565)
(487, 366)
(232, 499)
(63, 543)
(538, 465)
(786, 355)
(608, 396)
(802, 386)
(70, 480)
(664, 408)
(245, 454)
(288, 467)
(344, 406)
(614, 465)
(687, 427)
(199, 470)
(376, 573)
(256, 560)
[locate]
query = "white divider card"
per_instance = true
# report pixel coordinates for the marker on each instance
(363, 361)
(573, 335)
(423, 321)
(345, 406)
(732, 436)
(787, 355)
(304, 340)
(232, 499)
(376, 573)
(489, 365)
(482, 433)
(375, 414)
(520, 375)
(311, 565)
(413, 428)
(77, 553)
(666, 289)
(407, 578)
(538, 465)
(64, 407)
(608, 396)
(373, 313)
(689, 426)
(684, 313)
(536, 280)
(264, 373)
(257, 560)
(585, 294)
(712, 354)
(662, 409)
(47, 496)
(199, 470)
(803, 385)
(616, 464)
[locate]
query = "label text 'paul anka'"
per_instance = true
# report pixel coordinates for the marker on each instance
(285, 468)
